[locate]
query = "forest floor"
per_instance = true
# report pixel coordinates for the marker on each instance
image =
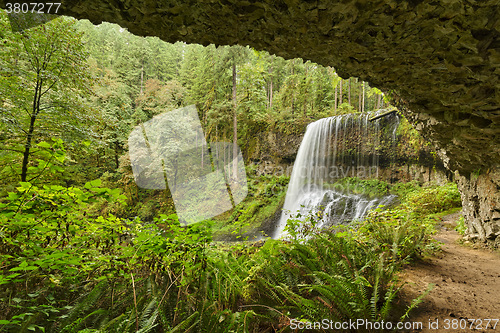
(466, 279)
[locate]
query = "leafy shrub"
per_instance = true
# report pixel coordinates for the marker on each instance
(147, 210)
(66, 271)
(396, 234)
(49, 249)
(162, 274)
(461, 228)
(434, 199)
(402, 190)
(266, 194)
(325, 277)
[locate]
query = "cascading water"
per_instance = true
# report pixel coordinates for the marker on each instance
(333, 148)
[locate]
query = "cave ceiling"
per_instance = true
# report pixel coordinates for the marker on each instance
(438, 60)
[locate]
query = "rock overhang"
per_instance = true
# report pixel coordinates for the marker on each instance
(439, 60)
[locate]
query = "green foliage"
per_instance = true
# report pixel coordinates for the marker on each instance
(163, 274)
(410, 141)
(402, 190)
(434, 199)
(114, 275)
(396, 234)
(266, 195)
(345, 108)
(461, 228)
(48, 247)
(369, 187)
(43, 83)
(333, 276)
(147, 211)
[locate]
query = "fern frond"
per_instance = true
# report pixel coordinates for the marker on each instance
(187, 324)
(83, 305)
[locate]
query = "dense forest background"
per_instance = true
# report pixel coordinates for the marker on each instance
(89, 86)
(106, 81)
(83, 249)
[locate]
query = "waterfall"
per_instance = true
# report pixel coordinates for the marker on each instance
(334, 148)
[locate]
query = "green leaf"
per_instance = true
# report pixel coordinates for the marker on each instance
(93, 184)
(24, 186)
(33, 327)
(44, 144)
(24, 268)
(6, 279)
(60, 157)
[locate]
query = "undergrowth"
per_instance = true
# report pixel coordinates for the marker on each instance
(65, 271)
(266, 195)
(113, 275)
(461, 228)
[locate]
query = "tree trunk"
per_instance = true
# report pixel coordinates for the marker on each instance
(142, 78)
(360, 103)
(363, 103)
(29, 138)
(235, 126)
(336, 93)
(340, 94)
(27, 147)
(293, 89)
(270, 89)
(349, 94)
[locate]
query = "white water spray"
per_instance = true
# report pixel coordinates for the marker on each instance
(333, 148)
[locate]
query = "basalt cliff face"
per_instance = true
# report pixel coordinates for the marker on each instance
(438, 59)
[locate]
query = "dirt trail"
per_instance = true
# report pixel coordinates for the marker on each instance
(467, 284)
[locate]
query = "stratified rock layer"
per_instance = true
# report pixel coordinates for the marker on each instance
(440, 61)
(480, 198)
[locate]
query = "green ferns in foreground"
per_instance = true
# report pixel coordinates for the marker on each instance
(65, 272)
